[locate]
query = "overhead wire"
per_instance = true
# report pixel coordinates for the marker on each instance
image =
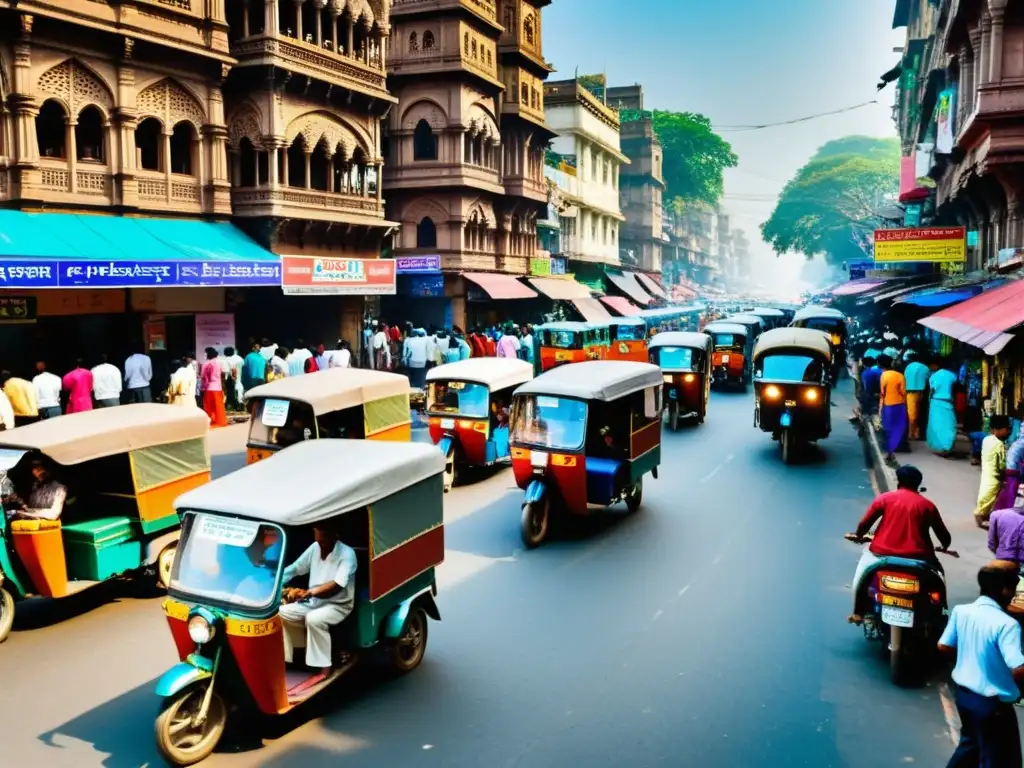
(794, 121)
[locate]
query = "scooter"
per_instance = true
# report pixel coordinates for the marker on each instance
(903, 604)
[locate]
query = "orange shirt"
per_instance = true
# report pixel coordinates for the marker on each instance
(894, 388)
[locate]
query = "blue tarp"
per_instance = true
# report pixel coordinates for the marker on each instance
(945, 297)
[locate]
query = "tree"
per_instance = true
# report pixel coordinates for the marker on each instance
(835, 202)
(694, 157)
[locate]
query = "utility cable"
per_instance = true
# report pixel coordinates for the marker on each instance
(743, 128)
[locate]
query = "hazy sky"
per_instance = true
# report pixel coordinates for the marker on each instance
(741, 62)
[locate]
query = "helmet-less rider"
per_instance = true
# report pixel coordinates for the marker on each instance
(906, 520)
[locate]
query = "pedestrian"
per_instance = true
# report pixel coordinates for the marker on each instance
(508, 345)
(870, 379)
(267, 349)
(231, 365)
(212, 384)
(988, 673)
(941, 431)
(254, 368)
(1011, 476)
(323, 357)
(182, 389)
(297, 359)
(47, 386)
(916, 375)
(993, 463)
(528, 342)
(6, 413)
(1006, 533)
(197, 372)
(380, 353)
(277, 368)
(414, 357)
(476, 342)
(22, 396)
(138, 376)
(893, 406)
(106, 384)
(341, 357)
(78, 384)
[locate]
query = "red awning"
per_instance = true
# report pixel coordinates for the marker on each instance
(983, 321)
(500, 286)
(624, 307)
(652, 287)
(565, 289)
(628, 284)
(593, 311)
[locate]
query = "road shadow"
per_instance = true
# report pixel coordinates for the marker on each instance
(469, 476)
(44, 612)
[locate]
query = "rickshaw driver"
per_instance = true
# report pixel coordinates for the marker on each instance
(45, 501)
(309, 614)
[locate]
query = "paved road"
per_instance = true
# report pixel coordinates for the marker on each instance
(705, 630)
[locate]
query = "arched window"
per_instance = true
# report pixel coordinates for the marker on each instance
(89, 135)
(319, 165)
(182, 139)
(414, 43)
(51, 130)
(428, 40)
(426, 233)
(424, 142)
(357, 171)
(296, 164)
(147, 144)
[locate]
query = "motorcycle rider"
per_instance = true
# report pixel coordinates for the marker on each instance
(906, 521)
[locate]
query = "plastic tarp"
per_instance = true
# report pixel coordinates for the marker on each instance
(941, 298)
(983, 321)
(624, 307)
(592, 310)
(627, 283)
(407, 514)
(500, 286)
(564, 289)
(164, 463)
(386, 413)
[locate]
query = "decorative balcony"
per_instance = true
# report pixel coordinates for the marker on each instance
(424, 61)
(524, 186)
(177, 192)
(485, 9)
(297, 203)
(429, 175)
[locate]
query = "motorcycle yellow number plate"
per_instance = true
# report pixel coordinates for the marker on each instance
(900, 602)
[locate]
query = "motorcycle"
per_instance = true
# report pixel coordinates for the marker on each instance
(903, 604)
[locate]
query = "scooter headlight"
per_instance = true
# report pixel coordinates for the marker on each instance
(200, 630)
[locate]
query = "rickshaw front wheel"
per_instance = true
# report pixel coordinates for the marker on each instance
(6, 613)
(534, 523)
(408, 650)
(178, 739)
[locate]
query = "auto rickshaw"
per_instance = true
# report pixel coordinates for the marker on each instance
(121, 469)
(773, 318)
(355, 403)
(585, 434)
(792, 389)
(754, 324)
(833, 323)
(561, 343)
(685, 361)
(468, 404)
(730, 362)
(628, 339)
(239, 533)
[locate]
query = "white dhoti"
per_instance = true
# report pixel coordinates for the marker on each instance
(308, 626)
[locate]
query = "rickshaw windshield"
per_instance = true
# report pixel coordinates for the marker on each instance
(280, 423)
(228, 560)
(678, 358)
(549, 422)
(562, 339)
(791, 368)
(458, 398)
(832, 325)
(629, 333)
(726, 341)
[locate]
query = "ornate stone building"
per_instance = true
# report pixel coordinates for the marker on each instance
(464, 174)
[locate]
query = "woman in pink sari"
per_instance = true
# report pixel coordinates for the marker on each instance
(78, 384)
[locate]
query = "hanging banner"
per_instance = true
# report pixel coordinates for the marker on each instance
(927, 244)
(944, 121)
(418, 265)
(17, 309)
(214, 330)
(339, 277)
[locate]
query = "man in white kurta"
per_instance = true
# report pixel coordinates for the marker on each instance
(308, 614)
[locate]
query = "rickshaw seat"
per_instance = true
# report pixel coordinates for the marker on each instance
(602, 479)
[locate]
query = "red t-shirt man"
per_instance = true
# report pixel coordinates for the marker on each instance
(907, 519)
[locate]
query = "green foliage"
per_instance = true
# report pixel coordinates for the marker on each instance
(694, 157)
(835, 202)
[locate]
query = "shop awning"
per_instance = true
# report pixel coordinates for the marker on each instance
(652, 287)
(984, 320)
(628, 284)
(624, 307)
(855, 287)
(942, 297)
(593, 311)
(54, 250)
(500, 286)
(558, 288)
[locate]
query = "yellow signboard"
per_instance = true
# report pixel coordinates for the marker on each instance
(540, 267)
(940, 245)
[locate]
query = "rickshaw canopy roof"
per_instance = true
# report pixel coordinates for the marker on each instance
(680, 339)
(794, 338)
(569, 325)
(810, 313)
(594, 380)
(743, 319)
(88, 435)
(334, 389)
(766, 312)
(723, 326)
(634, 321)
(493, 372)
(321, 479)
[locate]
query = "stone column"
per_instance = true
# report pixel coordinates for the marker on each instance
(383, 48)
(308, 178)
(367, 26)
(245, 20)
(165, 149)
(286, 177)
(270, 20)
(273, 155)
(380, 175)
(216, 132)
(334, 30)
(298, 19)
(319, 38)
(23, 102)
(986, 49)
(351, 36)
(71, 150)
(995, 65)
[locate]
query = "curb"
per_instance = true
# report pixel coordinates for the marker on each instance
(882, 475)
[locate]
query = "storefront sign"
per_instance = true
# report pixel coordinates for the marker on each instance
(972, 238)
(339, 277)
(418, 265)
(912, 215)
(17, 309)
(215, 330)
(930, 244)
(857, 269)
(540, 267)
(422, 286)
(136, 274)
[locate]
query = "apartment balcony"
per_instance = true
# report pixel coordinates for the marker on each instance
(484, 9)
(363, 75)
(524, 186)
(297, 203)
(436, 175)
(178, 193)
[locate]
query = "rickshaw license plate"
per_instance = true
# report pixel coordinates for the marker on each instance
(791, 403)
(447, 423)
(897, 617)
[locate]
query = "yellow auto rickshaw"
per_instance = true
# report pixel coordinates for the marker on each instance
(355, 403)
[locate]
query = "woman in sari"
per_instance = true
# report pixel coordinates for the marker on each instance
(941, 431)
(894, 407)
(212, 383)
(1011, 476)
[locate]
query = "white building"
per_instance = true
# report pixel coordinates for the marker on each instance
(588, 138)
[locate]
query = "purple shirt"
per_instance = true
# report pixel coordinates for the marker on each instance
(1006, 534)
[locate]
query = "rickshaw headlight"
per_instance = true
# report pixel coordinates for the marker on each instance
(200, 630)
(811, 395)
(667, 378)
(772, 392)
(689, 378)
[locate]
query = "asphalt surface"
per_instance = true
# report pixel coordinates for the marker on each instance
(706, 630)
